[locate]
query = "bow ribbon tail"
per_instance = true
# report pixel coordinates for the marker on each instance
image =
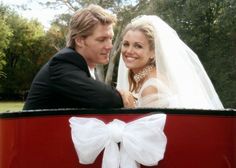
(111, 156)
(125, 160)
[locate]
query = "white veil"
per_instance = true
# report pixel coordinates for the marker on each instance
(185, 75)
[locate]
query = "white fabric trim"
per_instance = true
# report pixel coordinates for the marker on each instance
(92, 72)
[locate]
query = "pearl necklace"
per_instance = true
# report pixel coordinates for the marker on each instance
(143, 73)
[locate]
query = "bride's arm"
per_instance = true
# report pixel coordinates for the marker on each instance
(150, 97)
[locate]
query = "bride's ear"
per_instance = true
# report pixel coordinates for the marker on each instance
(152, 59)
(152, 55)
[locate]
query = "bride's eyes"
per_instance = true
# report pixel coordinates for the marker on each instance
(138, 46)
(125, 44)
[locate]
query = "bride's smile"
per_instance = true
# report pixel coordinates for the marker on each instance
(136, 50)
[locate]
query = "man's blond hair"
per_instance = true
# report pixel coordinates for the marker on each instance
(84, 21)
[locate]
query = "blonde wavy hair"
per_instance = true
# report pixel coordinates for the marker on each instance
(84, 21)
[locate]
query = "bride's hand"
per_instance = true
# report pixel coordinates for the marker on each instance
(128, 99)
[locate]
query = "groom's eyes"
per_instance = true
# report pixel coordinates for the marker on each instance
(102, 39)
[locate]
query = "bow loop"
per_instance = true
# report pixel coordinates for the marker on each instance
(144, 139)
(81, 131)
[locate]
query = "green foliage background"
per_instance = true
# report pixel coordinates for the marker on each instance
(208, 27)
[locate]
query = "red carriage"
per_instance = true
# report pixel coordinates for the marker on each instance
(42, 138)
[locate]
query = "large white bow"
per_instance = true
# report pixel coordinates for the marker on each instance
(142, 141)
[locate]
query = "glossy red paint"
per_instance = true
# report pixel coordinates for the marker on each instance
(194, 141)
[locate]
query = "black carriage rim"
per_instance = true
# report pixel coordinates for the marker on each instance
(86, 111)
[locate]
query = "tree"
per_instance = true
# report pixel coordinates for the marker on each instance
(58, 31)
(26, 52)
(5, 35)
(209, 28)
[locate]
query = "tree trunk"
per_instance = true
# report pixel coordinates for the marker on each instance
(113, 56)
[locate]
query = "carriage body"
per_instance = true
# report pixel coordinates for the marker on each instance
(195, 138)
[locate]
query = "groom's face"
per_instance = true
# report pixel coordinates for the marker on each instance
(96, 47)
(136, 50)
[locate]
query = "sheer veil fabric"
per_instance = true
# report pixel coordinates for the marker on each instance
(183, 72)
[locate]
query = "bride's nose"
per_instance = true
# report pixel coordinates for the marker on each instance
(129, 50)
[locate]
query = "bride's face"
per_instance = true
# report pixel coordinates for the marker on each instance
(135, 50)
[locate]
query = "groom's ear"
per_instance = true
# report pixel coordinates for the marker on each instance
(80, 41)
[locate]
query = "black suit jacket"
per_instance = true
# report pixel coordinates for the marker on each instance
(65, 82)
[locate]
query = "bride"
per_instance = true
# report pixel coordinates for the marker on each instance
(161, 70)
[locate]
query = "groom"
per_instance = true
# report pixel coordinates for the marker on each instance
(67, 80)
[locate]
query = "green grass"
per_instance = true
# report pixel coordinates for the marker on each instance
(6, 106)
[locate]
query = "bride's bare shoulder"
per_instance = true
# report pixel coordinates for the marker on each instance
(149, 90)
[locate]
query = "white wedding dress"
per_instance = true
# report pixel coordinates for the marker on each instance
(162, 99)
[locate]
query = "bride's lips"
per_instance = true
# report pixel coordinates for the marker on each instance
(130, 59)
